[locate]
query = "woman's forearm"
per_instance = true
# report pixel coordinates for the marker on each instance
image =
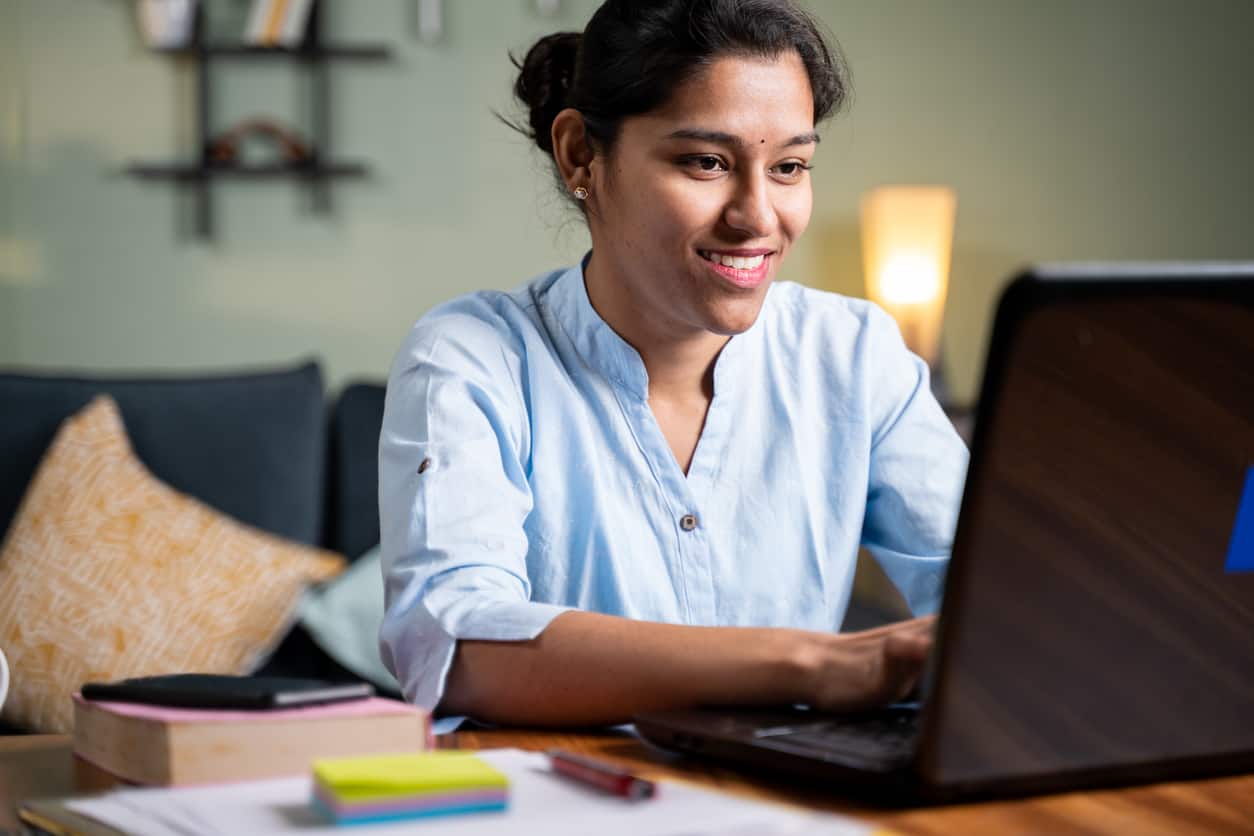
(592, 669)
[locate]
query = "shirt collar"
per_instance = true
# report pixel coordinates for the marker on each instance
(604, 350)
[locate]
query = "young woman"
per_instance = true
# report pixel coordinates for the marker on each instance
(641, 482)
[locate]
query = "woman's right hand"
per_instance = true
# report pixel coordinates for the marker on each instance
(867, 669)
(589, 669)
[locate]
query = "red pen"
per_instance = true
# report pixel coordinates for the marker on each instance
(601, 775)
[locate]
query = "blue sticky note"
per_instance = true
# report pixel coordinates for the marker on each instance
(1241, 550)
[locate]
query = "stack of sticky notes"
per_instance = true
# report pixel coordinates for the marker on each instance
(390, 787)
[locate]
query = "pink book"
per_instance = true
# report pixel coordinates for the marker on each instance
(166, 746)
(370, 707)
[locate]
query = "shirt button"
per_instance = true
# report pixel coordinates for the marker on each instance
(688, 522)
(425, 466)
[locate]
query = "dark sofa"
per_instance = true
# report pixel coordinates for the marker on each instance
(267, 448)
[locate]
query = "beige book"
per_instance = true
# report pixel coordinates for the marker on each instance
(160, 746)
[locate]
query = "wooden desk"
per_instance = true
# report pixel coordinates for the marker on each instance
(41, 767)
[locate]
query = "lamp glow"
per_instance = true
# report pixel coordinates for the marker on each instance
(907, 238)
(909, 279)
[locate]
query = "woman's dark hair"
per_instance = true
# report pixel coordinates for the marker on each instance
(633, 54)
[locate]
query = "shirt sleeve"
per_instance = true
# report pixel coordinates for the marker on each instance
(453, 496)
(918, 467)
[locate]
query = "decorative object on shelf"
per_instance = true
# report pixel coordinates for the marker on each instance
(225, 149)
(548, 8)
(278, 23)
(907, 238)
(313, 164)
(430, 20)
(167, 24)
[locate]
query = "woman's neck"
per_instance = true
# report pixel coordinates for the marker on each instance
(679, 361)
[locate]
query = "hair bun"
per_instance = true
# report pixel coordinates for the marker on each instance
(544, 82)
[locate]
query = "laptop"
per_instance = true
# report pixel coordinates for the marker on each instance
(1097, 627)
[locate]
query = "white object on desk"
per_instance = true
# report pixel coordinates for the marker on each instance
(540, 801)
(4, 678)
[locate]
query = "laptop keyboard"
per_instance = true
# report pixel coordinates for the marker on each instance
(886, 738)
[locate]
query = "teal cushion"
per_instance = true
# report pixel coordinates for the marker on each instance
(343, 617)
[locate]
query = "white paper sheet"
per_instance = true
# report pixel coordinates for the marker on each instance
(541, 802)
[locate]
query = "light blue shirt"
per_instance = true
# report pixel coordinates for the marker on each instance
(522, 473)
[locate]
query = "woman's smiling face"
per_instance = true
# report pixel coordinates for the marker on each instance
(698, 202)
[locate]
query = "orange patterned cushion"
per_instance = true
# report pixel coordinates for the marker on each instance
(108, 573)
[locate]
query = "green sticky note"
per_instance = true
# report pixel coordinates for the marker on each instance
(372, 777)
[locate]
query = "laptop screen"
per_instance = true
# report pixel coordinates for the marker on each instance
(1095, 614)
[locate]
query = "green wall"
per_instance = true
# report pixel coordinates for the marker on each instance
(1071, 129)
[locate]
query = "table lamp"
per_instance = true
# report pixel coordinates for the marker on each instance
(907, 237)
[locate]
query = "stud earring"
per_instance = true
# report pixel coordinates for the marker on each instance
(580, 193)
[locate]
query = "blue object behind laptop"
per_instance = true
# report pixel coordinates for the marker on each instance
(1241, 552)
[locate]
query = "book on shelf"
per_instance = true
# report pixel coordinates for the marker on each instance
(258, 17)
(278, 23)
(162, 746)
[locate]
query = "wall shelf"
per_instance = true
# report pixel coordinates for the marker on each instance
(197, 173)
(364, 52)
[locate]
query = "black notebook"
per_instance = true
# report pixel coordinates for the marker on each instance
(206, 690)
